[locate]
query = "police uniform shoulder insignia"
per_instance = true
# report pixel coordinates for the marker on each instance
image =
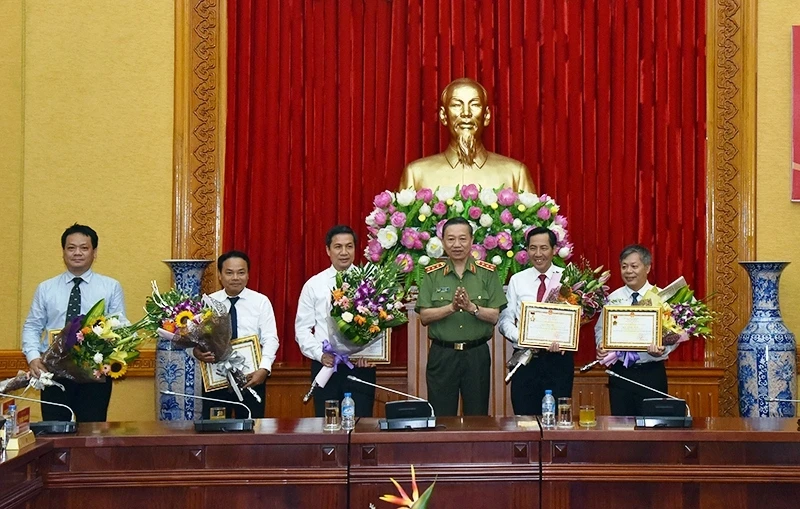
(435, 266)
(485, 265)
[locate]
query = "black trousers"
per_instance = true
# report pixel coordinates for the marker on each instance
(363, 395)
(232, 410)
(88, 400)
(625, 397)
(547, 370)
(452, 372)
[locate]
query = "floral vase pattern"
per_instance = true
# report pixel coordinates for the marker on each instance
(176, 369)
(766, 348)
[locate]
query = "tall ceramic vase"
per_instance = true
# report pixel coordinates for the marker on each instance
(766, 348)
(176, 369)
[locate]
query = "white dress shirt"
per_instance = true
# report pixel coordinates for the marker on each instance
(49, 307)
(255, 317)
(624, 297)
(313, 310)
(524, 287)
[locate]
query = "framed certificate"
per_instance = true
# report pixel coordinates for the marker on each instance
(51, 335)
(542, 323)
(379, 352)
(248, 347)
(631, 328)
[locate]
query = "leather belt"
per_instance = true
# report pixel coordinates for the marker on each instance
(460, 346)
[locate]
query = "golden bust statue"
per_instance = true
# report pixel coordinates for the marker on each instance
(465, 113)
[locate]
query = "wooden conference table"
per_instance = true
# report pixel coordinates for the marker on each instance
(476, 462)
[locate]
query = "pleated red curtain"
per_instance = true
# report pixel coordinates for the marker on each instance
(604, 100)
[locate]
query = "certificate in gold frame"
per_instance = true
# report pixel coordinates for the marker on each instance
(51, 335)
(645, 318)
(248, 347)
(557, 322)
(380, 352)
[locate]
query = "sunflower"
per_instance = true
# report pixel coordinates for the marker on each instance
(117, 369)
(416, 501)
(183, 318)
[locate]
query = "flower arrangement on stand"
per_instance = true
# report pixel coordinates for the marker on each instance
(406, 227)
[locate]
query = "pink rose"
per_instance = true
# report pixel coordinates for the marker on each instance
(392, 209)
(490, 242)
(475, 213)
(425, 194)
(543, 213)
(506, 197)
(398, 219)
(408, 238)
(478, 252)
(380, 218)
(521, 257)
(425, 236)
(417, 243)
(469, 192)
(440, 208)
(506, 217)
(383, 199)
(504, 240)
(405, 262)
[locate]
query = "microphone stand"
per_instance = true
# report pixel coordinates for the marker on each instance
(658, 422)
(413, 421)
(224, 425)
(49, 427)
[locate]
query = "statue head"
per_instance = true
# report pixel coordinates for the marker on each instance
(465, 112)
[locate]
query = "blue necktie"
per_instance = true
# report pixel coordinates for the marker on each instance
(74, 303)
(234, 317)
(634, 298)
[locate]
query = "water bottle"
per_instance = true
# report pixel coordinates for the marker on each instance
(11, 422)
(348, 412)
(548, 410)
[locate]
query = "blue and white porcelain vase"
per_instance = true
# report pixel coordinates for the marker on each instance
(176, 369)
(766, 348)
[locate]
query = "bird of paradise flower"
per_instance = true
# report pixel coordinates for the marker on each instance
(415, 501)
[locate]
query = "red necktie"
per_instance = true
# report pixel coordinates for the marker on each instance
(542, 284)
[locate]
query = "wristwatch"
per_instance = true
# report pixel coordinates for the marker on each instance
(475, 313)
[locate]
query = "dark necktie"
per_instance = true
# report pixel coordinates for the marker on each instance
(634, 298)
(74, 304)
(234, 317)
(542, 284)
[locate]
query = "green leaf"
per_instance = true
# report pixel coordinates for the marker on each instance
(96, 312)
(422, 501)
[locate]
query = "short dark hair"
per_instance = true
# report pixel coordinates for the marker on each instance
(538, 231)
(233, 254)
(79, 228)
(453, 221)
(643, 252)
(339, 229)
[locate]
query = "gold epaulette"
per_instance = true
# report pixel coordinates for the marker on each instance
(485, 265)
(435, 266)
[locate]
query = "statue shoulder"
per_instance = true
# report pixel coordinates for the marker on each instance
(486, 265)
(498, 160)
(434, 267)
(424, 163)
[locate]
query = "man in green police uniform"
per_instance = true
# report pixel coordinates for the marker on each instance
(459, 301)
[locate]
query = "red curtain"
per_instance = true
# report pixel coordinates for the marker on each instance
(604, 100)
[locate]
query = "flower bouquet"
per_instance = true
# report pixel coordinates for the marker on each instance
(406, 227)
(415, 501)
(189, 322)
(364, 303)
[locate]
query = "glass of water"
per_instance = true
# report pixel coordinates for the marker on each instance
(564, 419)
(333, 421)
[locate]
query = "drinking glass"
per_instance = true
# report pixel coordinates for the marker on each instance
(564, 419)
(586, 416)
(333, 421)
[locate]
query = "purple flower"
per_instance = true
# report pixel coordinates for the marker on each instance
(561, 221)
(469, 192)
(406, 264)
(521, 257)
(478, 252)
(409, 238)
(474, 213)
(380, 218)
(440, 208)
(506, 217)
(440, 227)
(543, 213)
(70, 332)
(392, 209)
(425, 194)
(383, 199)
(504, 240)
(506, 197)
(490, 242)
(398, 219)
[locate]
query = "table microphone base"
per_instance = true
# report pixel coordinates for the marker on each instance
(54, 427)
(405, 423)
(223, 425)
(663, 422)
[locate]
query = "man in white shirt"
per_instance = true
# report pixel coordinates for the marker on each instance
(548, 369)
(625, 397)
(59, 300)
(311, 328)
(251, 315)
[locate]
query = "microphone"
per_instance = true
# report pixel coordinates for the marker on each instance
(659, 421)
(225, 425)
(49, 427)
(403, 414)
(590, 366)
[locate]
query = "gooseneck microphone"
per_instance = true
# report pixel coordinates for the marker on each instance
(49, 427)
(204, 398)
(670, 396)
(403, 415)
(72, 414)
(224, 425)
(356, 379)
